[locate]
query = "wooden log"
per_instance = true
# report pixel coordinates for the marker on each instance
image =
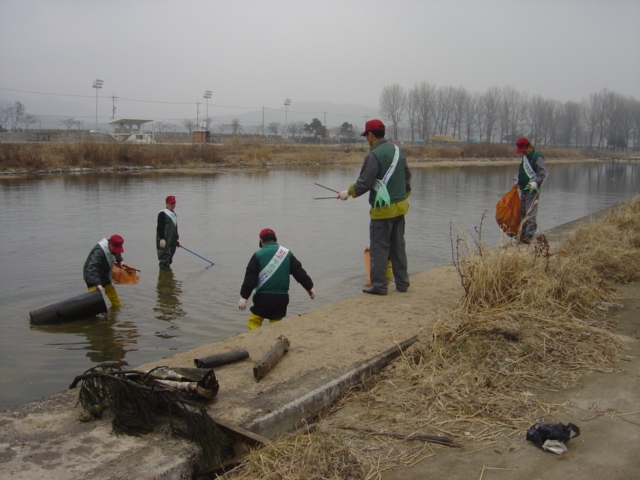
(263, 367)
(221, 358)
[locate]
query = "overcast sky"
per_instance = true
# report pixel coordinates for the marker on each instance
(255, 53)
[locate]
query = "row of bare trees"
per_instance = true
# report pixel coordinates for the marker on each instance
(13, 117)
(604, 120)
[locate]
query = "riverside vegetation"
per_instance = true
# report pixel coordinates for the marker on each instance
(34, 156)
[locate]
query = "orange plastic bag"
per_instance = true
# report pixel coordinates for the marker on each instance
(125, 275)
(508, 212)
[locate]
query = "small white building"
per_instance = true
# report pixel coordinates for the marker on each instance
(130, 130)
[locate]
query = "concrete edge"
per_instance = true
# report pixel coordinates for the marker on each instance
(290, 416)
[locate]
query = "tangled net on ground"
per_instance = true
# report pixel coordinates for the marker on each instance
(140, 401)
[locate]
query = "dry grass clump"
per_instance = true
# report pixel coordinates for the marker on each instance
(329, 454)
(613, 246)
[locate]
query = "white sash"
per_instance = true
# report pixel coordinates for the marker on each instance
(104, 244)
(271, 267)
(528, 169)
(171, 215)
(385, 178)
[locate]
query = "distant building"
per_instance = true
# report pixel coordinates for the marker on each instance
(130, 130)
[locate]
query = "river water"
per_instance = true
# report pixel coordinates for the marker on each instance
(51, 222)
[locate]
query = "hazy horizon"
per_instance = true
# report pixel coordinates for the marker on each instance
(157, 58)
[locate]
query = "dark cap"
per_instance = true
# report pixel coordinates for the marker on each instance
(374, 124)
(522, 143)
(267, 234)
(170, 199)
(116, 243)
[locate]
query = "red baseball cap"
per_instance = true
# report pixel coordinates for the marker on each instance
(374, 124)
(170, 199)
(266, 232)
(522, 143)
(116, 243)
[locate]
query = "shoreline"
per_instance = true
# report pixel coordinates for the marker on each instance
(216, 168)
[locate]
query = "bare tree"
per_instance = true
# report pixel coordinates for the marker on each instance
(470, 113)
(413, 108)
(273, 128)
(392, 101)
(489, 109)
(294, 128)
(69, 122)
(459, 101)
(161, 127)
(29, 119)
(189, 124)
(236, 127)
(426, 93)
(512, 108)
(223, 126)
(15, 114)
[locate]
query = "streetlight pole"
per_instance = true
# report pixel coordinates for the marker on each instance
(287, 102)
(207, 95)
(97, 84)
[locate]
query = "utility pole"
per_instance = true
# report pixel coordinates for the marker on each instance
(287, 102)
(207, 95)
(97, 84)
(113, 103)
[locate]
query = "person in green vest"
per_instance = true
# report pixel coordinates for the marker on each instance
(386, 176)
(267, 277)
(531, 174)
(167, 238)
(98, 268)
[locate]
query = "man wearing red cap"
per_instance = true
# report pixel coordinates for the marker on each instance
(267, 277)
(531, 174)
(98, 267)
(167, 233)
(386, 176)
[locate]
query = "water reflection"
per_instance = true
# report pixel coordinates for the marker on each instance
(107, 338)
(168, 306)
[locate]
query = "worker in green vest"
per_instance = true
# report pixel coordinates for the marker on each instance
(267, 277)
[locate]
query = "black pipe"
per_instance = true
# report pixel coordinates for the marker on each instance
(220, 359)
(76, 308)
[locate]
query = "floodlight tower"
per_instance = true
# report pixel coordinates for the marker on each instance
(97, 84)
(287, 102)
(207, 95)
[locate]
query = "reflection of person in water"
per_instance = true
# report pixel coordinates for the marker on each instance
(168, 306)
(107, 340)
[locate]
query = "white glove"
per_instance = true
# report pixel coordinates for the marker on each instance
(533, 186)
(163, 243)
(312, 294)
(242, 303)
(344, 194)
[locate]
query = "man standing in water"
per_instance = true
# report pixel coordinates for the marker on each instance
(531, 174)
(267, 277)
(98, 268)
(387, 178)
(167, 238)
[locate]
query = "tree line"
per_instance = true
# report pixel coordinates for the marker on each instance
(604, 120)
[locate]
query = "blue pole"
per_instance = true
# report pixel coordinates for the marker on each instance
(182, 246)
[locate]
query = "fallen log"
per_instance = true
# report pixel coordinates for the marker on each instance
(263, 367)
(219, 359)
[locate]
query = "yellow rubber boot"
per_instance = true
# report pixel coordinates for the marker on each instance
(274, 320)
(255, 321)
(91, 289)
(110, 291)
(388, 271)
